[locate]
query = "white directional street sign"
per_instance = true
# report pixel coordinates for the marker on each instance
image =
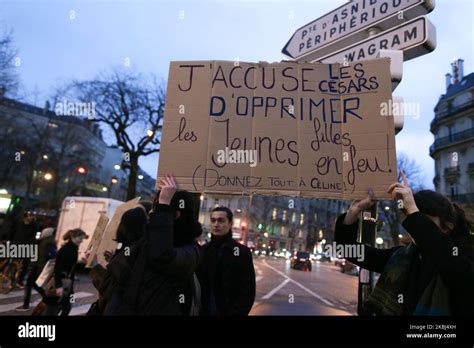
(348, 24)
(414, 38)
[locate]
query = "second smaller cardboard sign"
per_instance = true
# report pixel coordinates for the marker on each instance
(96, 238)
(108, 238)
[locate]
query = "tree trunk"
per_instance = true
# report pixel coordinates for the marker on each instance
(132, 178)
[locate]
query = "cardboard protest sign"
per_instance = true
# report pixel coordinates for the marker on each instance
(298, 129)
(108, 238)
(96, 238)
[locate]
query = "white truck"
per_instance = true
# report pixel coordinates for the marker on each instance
(83, 213)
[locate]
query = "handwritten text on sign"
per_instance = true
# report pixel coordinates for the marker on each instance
(303, 129)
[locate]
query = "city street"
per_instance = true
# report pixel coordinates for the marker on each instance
(280, 291)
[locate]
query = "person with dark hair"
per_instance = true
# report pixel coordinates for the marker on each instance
(146, 205)
(130, 231)
(63, 276)
(432, 275)
(226, 273)
(161, 280)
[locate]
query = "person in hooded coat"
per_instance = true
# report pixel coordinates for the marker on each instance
(162, 280)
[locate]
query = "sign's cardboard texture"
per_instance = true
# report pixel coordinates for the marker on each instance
(317, 129)
(108, 238)
(96, 238)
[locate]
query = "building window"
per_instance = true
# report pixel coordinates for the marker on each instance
(451, 132)
(315, 217)
(301, 219)
(284, 215)
(274, 215)
(293, 217)
(454, 192)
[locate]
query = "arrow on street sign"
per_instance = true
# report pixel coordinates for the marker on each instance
(347, 25)
(414, 38)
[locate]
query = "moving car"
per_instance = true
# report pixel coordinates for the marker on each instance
(347, 267)
(301, 260)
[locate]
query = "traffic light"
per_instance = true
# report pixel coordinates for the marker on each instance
(81, 170)
(260, 226)
(243, 225)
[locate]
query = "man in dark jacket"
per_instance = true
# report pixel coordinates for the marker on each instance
(46, 251)
(226, 273)
(24, 233)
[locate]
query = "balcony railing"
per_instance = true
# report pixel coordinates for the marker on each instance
(463, 199)
(451, 172)
(450, 111)
(451, 140)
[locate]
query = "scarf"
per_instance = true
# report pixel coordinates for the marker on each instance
(385, 299)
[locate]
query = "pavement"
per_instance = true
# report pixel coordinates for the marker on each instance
(280, 291)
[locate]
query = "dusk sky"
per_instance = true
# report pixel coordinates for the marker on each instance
(151, 33)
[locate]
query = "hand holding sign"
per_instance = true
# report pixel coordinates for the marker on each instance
(403, 192)
(168, 187)
(359, 206)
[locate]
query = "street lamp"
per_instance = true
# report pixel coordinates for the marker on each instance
(48, 176)
(113, 181)
(140, 177)
(45, 157)
(379, 241)
(81, 170)
(150, 133)
(387, 208)
(117, 166)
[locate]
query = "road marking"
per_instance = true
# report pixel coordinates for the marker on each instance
(80, 310)
(274, 290)
(12, 306)
(13, 293)
(322, 299)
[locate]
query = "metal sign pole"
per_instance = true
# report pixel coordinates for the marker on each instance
(367, 234)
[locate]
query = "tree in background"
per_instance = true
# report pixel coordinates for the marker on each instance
(389, 209)
(132, 108)
(9, 80)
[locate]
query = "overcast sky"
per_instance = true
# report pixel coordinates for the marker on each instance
(55, 47)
